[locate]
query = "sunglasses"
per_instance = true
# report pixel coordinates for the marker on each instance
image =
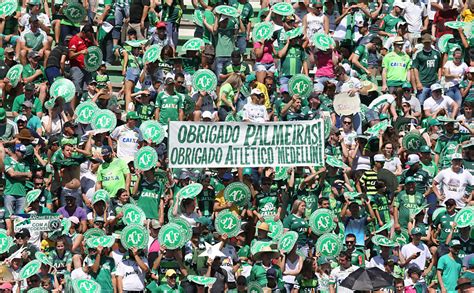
(347, 122)
(318, 7)
(350, 242)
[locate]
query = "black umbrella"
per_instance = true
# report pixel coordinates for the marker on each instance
(368, 279)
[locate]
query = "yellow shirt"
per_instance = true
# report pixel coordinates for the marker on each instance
(220, 199)
(264, 90)
(467, 15)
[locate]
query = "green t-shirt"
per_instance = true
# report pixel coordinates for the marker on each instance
(422, 179)
(29, 71)
(20, 99)
(101, 79)
(406, 204)
(382, 205)
(225, 44)
(310, 197)
(299, 225)
(104, 275)
(229, 94)
(169, 106)
(101, 7)
(165, 288)
(267, 203)
(446, 146)
(150, 195)
(389, 23)
(397, 66)
(450, 271)
(112, 175)
(145, 112)
(431, 168)
(207, 36)
(171, 13)
(427, 64)
(246, 12)
(60, 263)
(306, 285)
(363, 54)
(34, 41)
(14, 186)
(259, 274)
(292, 62)
(444, 220)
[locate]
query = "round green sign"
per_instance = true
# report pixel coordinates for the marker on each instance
(332, 161)
(401, 237)
(454, 24)
(186, 228)
(5, 241)
(136, 43)
(152, 130)
(63, 87)
(134, 236)
(287, 241)
(322, 41)
(227, 10)
(85, 112)
(281, 173)
(329, 245)
(93, 232)
(171, 236)
(283, 8)
(43, 258)
(294, 33)
(193, 44)
(322, 221)
(412, 141)
(93, 58)
(32, 195)
(37, 290)
(133, 215)
(262, 31)
(381, 240)
(386, 226)
(190, 190)
(146, 158)
(237, 193)
(8, 7)
(152, 54)
(14, 74)
(204, 80)
(30, 269)
(86, 286)
(75, 12)
(443, 42)
(276, 228)
(258, 246)
(301, 85)
(201, 280)
(100, 195)
(465, 217)
(104, 119)
(228, 223)
(197, 17)
(104, 241)
(375, 130)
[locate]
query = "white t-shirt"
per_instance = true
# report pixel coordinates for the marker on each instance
(338, 275)
(25, 20)
(406, 45)
(378, 262)
(414, 13)
(133, 276)
(127, 141)
(454, 184)
(392, 164)
(456, 70)
(345, 86)
(425, 254)
(255, 113)
(445, 102)
(56, 125)
(378, 103)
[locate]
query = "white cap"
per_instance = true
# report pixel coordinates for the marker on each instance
(22, 118)
(456, 156)
(206, 114)
(413, 159)
(256, 92)
(470, 69)
(74, 220)
(379, 158)
(399, 4)
(436, 86)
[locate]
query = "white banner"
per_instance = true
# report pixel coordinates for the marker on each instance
(240, 144)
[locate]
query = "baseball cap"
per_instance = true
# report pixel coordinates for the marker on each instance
(227, 176)
(23, 233)
(256, 92)
(132, 115)
(470, 69)
(271, 273)
(398, 40)
(184, 175)
(161, 24)
(106, 150)
(250, 78)
(29, 87)
(74, 220)
(247, 171)
(425, 149)
(456, 156)
(6, 285)
(399, 4)
(22, 118)
(20, 148)
(379, 158)
(454, 242)
(3, 114)
(413, 159)
(435, 87)
(410, 179)
(170, 272)
(206, 115)
(33, 54)
(155, 224)
(463, 283)
(99, 219)
(28, 104)
(406, 85)
(418, 231)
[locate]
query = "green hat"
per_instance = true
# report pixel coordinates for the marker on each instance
(247, 171)
(418, 231)
(34, 2)
(410, 179)
(383, 116)
(100, 195)
(454, 242)
(3, 114)
(406, 85)
(323, 260)
(425, 149)
(132, 115)
(317, 2)
(251, 77)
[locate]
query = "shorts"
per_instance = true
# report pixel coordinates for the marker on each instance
(132, 74)
(269, 67)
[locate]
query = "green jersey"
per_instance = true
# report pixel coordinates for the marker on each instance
(165, 288)
(29, 71)
(150, 196)
(427, 64)
(450, 270)
(422, 179)
(169, 106)
(381, 204)
(397, 66)
(446, 146)
(430, 167)
(60, 262)
(259, 274)
(310, 197)
(225, 44)
(240, 68)
(34, 41)
(14, 186)
(104, 275)
(292, 62)
(306, 285)
(101, 4)
(407, 204)
(363, 54)
(267, 203)
(297, 224)
(20, 99)
(145, 112)
(389, 23)
(112, 175)
(171, 13)
(246, 12)
(444, 221)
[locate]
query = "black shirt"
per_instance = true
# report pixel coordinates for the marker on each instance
(136, 10)
(54, 59)
(5, 67)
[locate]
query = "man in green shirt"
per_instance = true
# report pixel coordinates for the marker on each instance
(447, 144)
(101, 268)
(389, 22)
(360, 56)
(169, 104)
(246, 13)
(29, 95)
(16, 175)
(450, 267)
(396, 66)
(150, 192)
(8, 128)
(113, 174)
(293, 60)
(422, 178)
(426, 68)
(406, 202)
(171, 286)
(443, 223)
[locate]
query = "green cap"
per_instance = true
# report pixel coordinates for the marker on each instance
(454, 242)
(383, 116)
(433, 122)
(322, 260)
(247, 171)
(410, 179)
(132, 115)
(418, 231)
(425, 149)
(406, 85)
(3, 114)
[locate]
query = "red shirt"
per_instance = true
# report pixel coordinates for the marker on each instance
(78, 44)
(440, 18)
